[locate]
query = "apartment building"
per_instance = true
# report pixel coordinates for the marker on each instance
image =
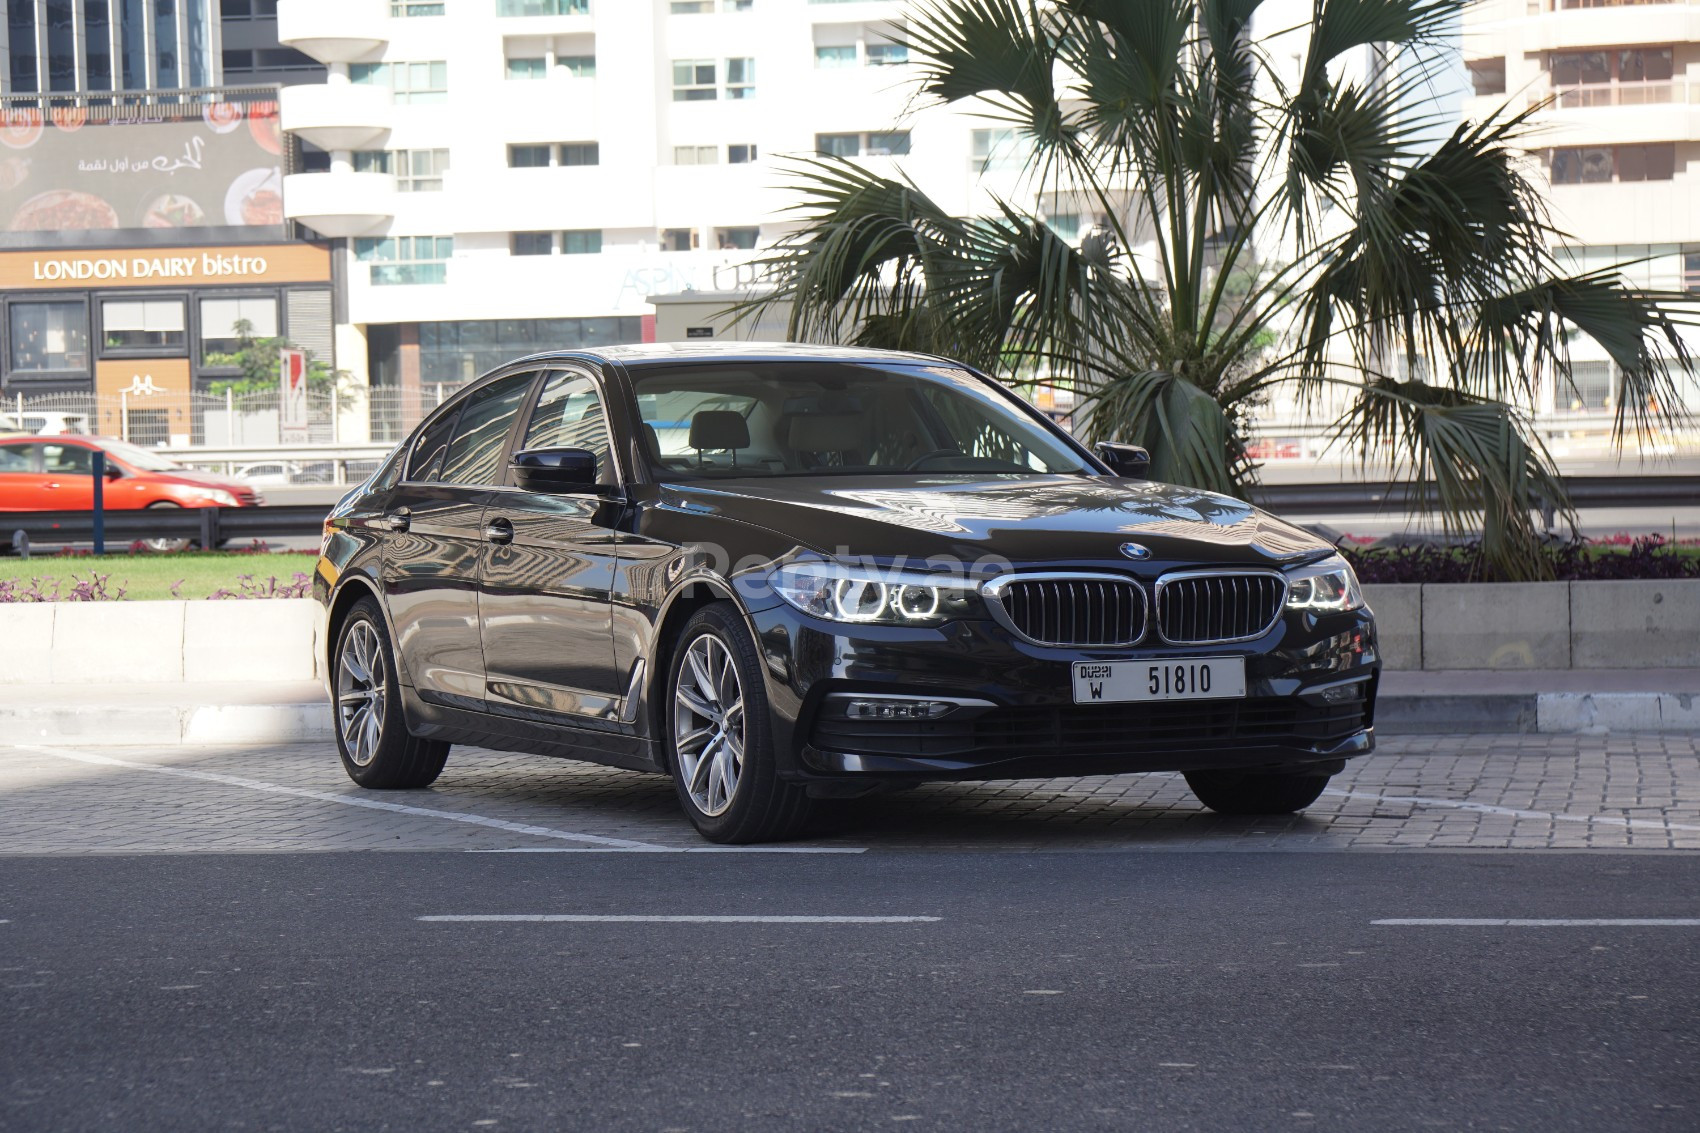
(1617, 144)
(509, 175)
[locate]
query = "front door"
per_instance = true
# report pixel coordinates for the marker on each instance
(436, 541)
(546, 603)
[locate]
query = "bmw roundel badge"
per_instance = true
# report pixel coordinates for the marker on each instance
(1135, 551)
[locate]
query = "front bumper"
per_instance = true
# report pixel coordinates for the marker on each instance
(1310, 701)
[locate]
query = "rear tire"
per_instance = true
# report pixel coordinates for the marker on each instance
(371, 732)
(719, 736)
(1256, 792)
(163, 546)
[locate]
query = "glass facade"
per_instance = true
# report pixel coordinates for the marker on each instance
(453, 353)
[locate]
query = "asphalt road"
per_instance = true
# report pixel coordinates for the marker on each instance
(1072, 991)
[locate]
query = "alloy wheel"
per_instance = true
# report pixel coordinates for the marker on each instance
(708, 725)
(362, 690)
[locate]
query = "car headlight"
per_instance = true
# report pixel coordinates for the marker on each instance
(868, 596)
(1326, 587)
(220, 497)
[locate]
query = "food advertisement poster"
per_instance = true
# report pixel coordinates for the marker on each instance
(128, 172)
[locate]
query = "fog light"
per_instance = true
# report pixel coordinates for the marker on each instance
(896, 709)
(1339, 694)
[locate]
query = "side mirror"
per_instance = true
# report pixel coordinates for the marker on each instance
(555, 470)
(114, 473)
(1131, 461)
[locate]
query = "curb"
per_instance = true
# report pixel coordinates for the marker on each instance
(105, 725)
(1552, 713)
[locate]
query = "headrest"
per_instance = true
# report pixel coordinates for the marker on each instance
(827, 432)
(719, 428)
(651, 442)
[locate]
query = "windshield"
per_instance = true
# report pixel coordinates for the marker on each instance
(140, 458)
(837, 418)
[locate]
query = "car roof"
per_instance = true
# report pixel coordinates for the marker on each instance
(668, 353)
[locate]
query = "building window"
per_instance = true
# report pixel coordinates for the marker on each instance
(1629, 77)
(1586, 165)
(411, 82)
(1487, 75)
(542, 7)
(678, 239)
(535, 67)
(405, 259)
(727, 239)
(143, 324)
(740, 154)
(532, 243)
(1691, 270)
(741, 78)
(1592, 387)
(528, 157)
(401, 9)
(737, 5)
(221, 321)
(690, 7)
(421, 170)
(581, 242)
(887, 54)
(694, 80)
(838, 145)
(371, 161)
(696, 155)
(580, 153)
(835, 56)
(890, 143)
(50, 336)
(1066, 225)
(998, 149)
(577, 66)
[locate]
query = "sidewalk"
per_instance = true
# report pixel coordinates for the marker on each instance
(1570, 701)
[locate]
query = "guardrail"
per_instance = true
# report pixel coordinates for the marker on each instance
(213, 526)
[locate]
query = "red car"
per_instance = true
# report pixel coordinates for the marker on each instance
(56, 474)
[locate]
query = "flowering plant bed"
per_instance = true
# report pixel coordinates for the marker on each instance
(1621, 557)
(133, 577)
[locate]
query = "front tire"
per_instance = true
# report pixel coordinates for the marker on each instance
(163, 545)
(371, 732)
(720, 737)
(1256, 792)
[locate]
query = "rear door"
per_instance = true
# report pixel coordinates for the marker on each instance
(21, 479)
(436, 540)
(546, 606)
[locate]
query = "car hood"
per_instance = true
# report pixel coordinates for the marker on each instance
(201, 480)
(1029, 521)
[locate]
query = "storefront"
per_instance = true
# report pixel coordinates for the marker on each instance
(137, 331)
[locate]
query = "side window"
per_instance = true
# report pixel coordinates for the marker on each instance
(67, 460)
(433, 443)
(15, 458)
(569, 414)
(475, 453)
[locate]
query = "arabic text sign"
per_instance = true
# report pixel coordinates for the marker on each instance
(218, 165)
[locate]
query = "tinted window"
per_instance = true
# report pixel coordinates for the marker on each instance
(475, 453)
(70, 460)
(433, 443)
(569, 414)
(14, 458)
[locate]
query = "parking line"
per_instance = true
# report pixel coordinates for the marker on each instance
(346, 800)
(601, 918)
(1547, 922)
(1513, 812)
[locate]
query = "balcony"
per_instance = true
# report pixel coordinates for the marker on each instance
(337, 115)
(340, 203)
(1566, 27)
(334, 31)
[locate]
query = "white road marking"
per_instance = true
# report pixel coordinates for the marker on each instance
(344, 800)
(599, 918)
(1487, 808)
(1550, 922)
(678, 850)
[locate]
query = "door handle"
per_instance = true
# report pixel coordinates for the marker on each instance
(398, 521)
(499, 531)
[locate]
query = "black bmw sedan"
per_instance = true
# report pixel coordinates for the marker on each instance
(786, 573)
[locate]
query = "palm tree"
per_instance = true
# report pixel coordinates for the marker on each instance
(1309, 229)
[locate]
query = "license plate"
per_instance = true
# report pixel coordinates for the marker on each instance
(1174, 678)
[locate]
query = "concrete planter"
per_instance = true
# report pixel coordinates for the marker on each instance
(1539, 625)
(130, 643)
